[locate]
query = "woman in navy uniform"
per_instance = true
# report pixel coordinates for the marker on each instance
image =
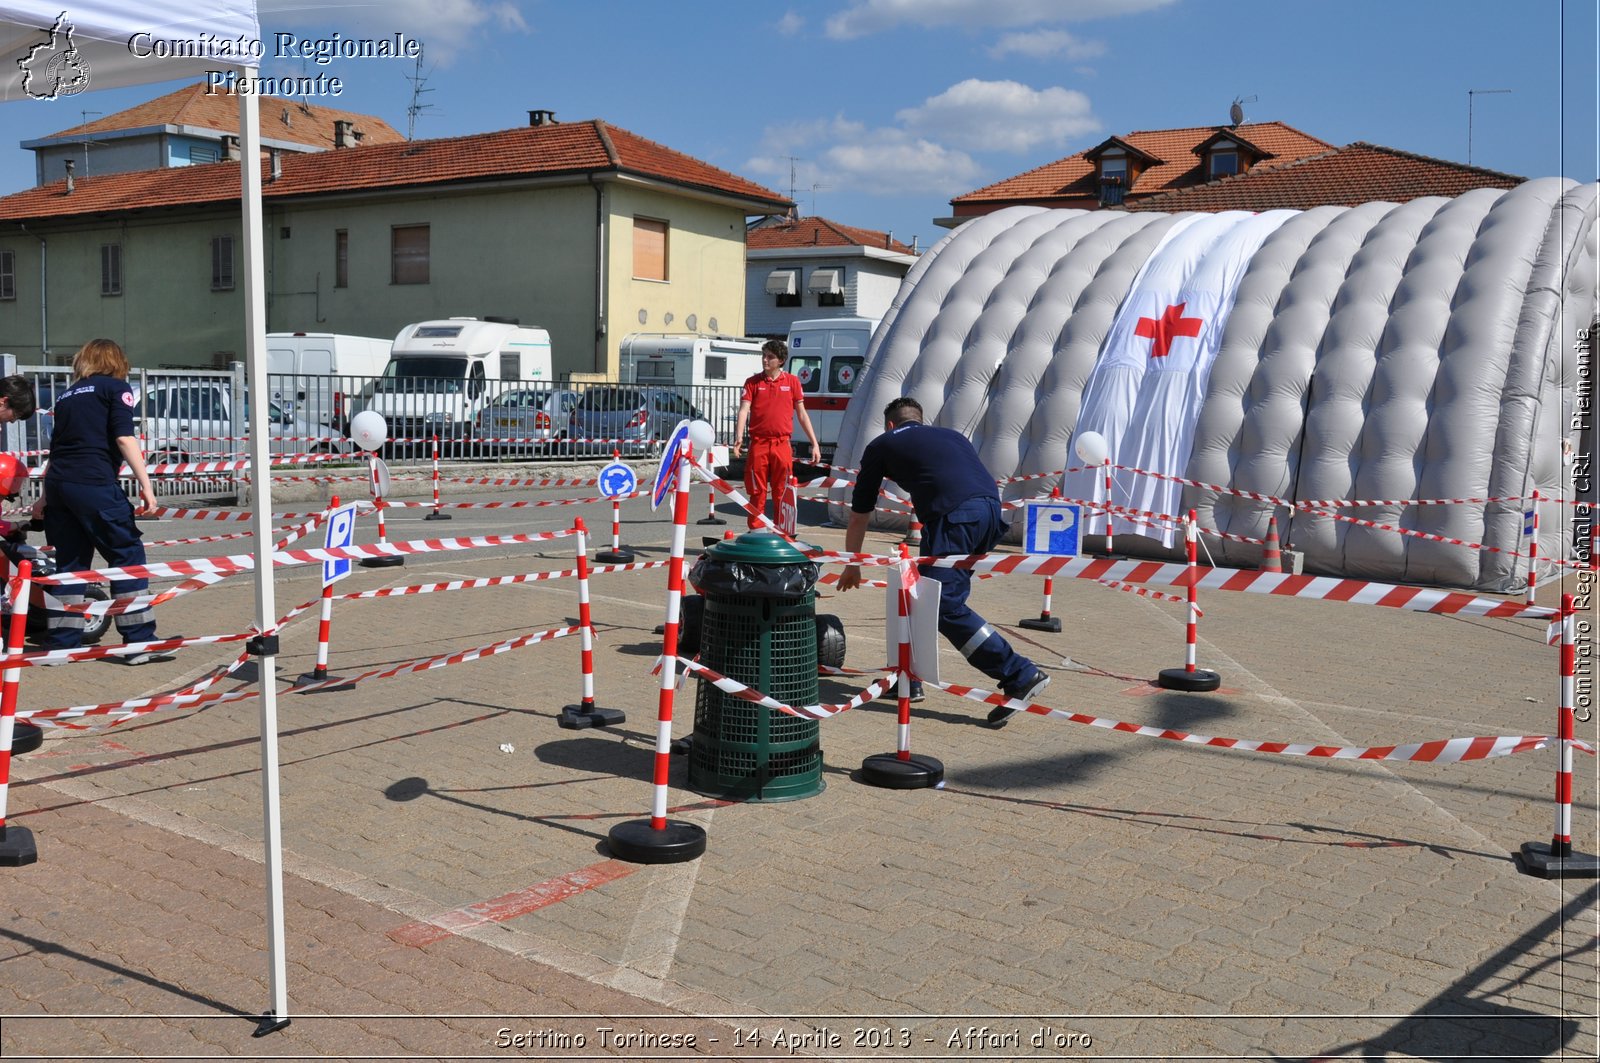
(84, 508)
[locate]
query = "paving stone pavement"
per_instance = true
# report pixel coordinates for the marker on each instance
(1070, 892)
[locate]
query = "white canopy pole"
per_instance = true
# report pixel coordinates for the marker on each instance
(266, 643)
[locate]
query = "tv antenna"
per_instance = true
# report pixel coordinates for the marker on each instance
(816, 185)
(418, 80)
(1236, 110)
(88, 138)
(1478, 92)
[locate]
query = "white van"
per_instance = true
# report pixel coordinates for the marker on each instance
(314, 374)
(442, 373)
(828, 354)
(663, 360)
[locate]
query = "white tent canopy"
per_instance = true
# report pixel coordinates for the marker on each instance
(48, 52)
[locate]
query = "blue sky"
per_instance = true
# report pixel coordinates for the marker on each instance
(884, 109)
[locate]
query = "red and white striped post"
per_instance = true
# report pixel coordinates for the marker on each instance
(659, 840)
(711, 508)
(16, 843)
(901, 770)
(1533, 550)
(1044, 621)
(1189, 677)
(1558, 860)
(319, 672)
(618, 554)
(381, 560)
(1110, 549)
(438, 513)
(584, 714)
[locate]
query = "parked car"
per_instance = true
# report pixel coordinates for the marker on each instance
(531, 419)
(638, 419)
(192, 420)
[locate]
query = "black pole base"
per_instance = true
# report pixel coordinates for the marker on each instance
(711, 518)
(312, 677)
(383, 561)
(269, 1023)
(438, 515)
(620, 556)
(637, 842)
(1041, 623)
(17, 848)
(1197, 681)
(26, 736)
(890, 772)
(1540, 859)
(577, 717)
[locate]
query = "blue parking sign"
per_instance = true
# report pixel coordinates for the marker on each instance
(1052, 528)
(341, 532)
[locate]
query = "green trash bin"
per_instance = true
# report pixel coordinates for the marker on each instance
(758, 626)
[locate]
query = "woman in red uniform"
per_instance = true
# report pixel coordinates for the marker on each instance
(770, 402)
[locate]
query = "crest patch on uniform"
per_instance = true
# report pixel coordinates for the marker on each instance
(127, 398)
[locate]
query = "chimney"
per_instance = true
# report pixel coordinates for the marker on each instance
(538, 118)
(277, 168)
(888, 239)
(69, 164)
(343, 133)
(230, 147)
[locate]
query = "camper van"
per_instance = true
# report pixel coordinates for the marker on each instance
(442, 373)
(662, 360)
(828, 355)
(315, 374)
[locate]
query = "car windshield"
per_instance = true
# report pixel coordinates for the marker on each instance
(432, 372)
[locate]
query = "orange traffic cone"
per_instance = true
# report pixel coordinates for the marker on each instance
(1271, 558)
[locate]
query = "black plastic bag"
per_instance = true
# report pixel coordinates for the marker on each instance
(712, 575)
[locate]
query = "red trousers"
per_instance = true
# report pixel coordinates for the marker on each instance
(768, 463)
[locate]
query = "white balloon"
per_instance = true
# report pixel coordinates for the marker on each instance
(701, 436)
(1091, 448)
(368, 430)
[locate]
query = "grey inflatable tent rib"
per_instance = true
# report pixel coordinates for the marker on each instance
(1425, 350)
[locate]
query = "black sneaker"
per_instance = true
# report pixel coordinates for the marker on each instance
(148, 657)
(1025, 691)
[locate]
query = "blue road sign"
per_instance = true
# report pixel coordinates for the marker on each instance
(666, 475)
(617, 480)
(1052, 528)
(341, 532)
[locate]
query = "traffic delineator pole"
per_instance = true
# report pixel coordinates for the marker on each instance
(319, 672)
(17, 846)
(1110, 547)
(382, 560)
(1044, 621)
(1558, 859)
(1533, 550)
(711, 508)
(585, 714)
(437, 513)
(913, 533)
(618, 554)
(901, 770)
(658, 840)
(1190, 678)
(1272, 550)
(26, 736)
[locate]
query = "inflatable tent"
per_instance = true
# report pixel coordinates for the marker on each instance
(1418, 351)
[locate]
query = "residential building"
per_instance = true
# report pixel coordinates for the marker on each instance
(192, 126)
(799, 268)
(1248, 166)
(582, 228)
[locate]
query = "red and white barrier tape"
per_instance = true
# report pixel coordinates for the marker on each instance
(522, 504)
(810, 712)
(1468, 544)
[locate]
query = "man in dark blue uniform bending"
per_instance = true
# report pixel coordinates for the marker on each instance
(959, 507)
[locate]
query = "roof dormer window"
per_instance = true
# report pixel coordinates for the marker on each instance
(1222, 162)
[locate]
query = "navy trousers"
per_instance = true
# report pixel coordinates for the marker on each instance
(78, 520)
(971, 528)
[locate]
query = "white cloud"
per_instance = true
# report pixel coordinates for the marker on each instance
(841, 155)
(446, 28)
(872, 16)
(1001, 116)
(790, 24)
(1041, 44)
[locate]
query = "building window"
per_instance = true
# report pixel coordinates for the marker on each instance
(1114, 168)
(341, 258)
(222, 263)
(781, 286)
(110, 269)
(201, 153)
(408, 254)
(8, 274)
(1224, 163)
(649, 249)
(828, 284)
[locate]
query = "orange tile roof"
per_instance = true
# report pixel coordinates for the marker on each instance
(819, 232)
(192, 105)
(574, 148)
(1074, 176)
(1344, 177)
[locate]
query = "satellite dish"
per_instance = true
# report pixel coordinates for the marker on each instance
(1236, 112)
(712, 324)
(690, 322)
(644, 315)
(666, 319)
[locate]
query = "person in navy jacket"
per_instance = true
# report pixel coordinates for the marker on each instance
(959, 506)
(84, 508)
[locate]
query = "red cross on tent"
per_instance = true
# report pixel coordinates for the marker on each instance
(1164, 329)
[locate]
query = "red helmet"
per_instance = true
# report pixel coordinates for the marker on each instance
(13, 475)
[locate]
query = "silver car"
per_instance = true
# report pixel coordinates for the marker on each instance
(192, 420)
(627, 418)
(524, 420)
